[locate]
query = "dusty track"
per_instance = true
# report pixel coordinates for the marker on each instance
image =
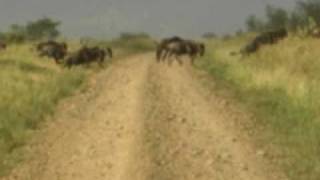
(145, 121)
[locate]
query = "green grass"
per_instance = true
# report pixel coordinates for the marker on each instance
(281, 85)
(31, 87)
(30, 90)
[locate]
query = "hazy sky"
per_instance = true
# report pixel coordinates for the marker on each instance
(157, 17)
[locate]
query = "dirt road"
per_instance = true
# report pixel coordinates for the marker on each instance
(145, 121)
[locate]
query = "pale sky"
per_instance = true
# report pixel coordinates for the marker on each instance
(105, 18)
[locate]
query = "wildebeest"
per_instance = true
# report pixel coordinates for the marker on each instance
(270, 37)
(195, 49)
(53, 49)
(3, 45)
(161, 52)
(177, 47)
(88, 55)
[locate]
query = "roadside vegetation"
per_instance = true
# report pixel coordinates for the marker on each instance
(281, 86)
(32, 86)
(279, 83)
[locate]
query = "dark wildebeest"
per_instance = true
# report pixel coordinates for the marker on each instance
(195, 49)
(88, 55)
(178, 47)
(53, 49)
(161, 52)
(3, 46)
(270, 37)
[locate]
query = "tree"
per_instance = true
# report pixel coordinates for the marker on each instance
(276, 17)
(297, 20)
(17, 29)
(42, 28)
(311, 8)
(129, 35)
(254, 24)
(16, 34)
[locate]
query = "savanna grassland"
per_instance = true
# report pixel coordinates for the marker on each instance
(32, 86)
(280, 84)
(30, 89)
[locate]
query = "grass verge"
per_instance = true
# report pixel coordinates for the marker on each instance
(30, 90)
(280, 84)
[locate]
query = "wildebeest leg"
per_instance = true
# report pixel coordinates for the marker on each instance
(159, 54)
(110, 52)
(102, 57)
(177, 57)
(165, 55)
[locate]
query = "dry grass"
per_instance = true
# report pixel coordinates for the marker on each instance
(281, 85)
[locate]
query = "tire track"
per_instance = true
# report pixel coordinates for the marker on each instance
(190, 132)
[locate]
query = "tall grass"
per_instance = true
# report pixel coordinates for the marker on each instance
(280, 84)
(30, 89)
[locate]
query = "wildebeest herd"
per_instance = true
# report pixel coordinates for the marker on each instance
(85, 55)
(168, 49)
(174, 46)
(53, 49)
(88, 55)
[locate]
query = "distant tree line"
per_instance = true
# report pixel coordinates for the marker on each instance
(132, 35)
(44, 28)
(305, 16)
